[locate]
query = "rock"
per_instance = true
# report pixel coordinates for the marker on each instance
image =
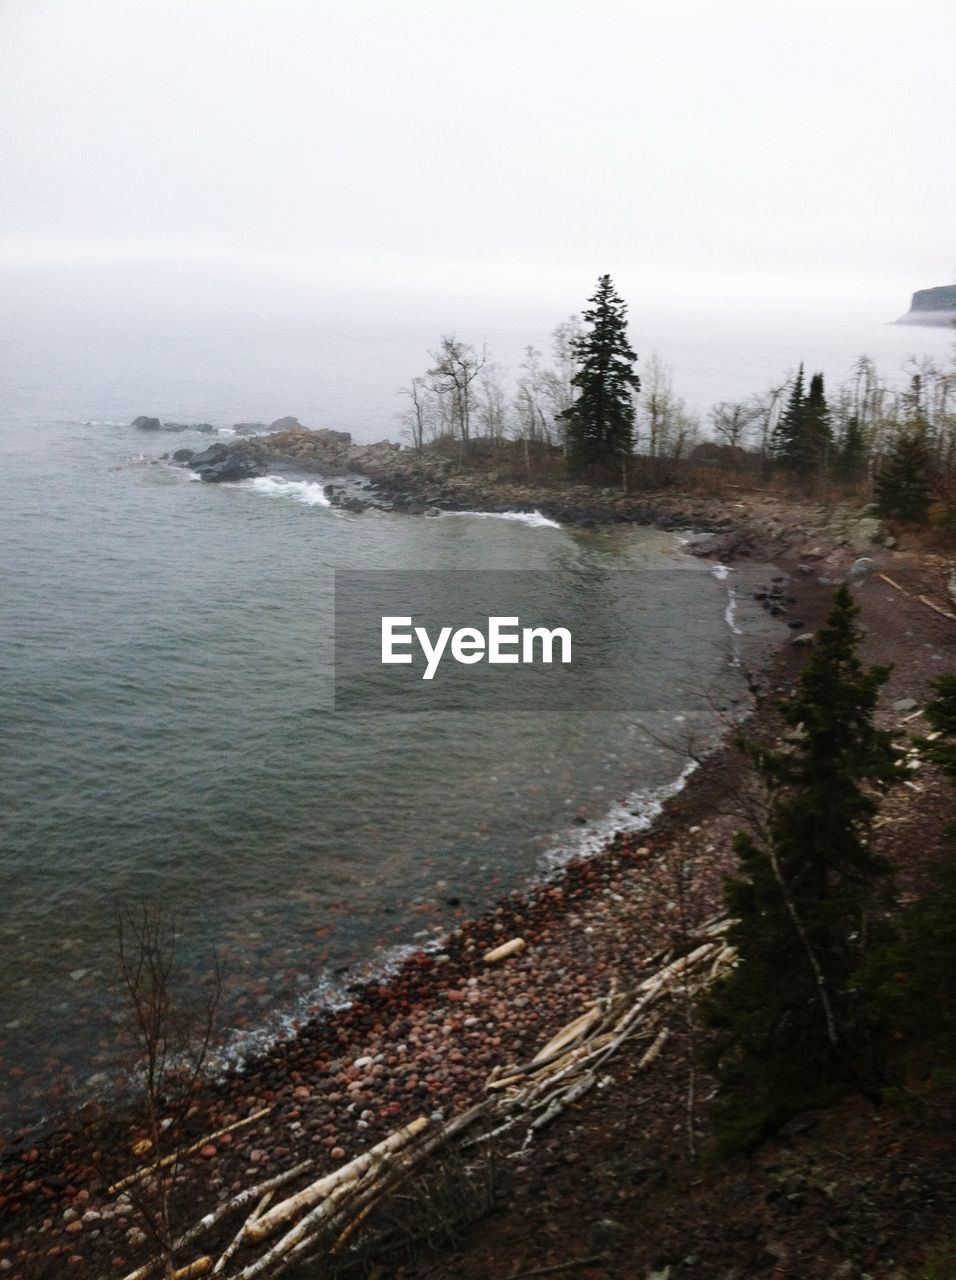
(205, 427)
(248, 428)
(147, 424)
(864, 531)
(860, 569)
(287, 423)
(231, 470)
(206, 458)
(951, 585)
(607, 1234)
(905, 704)
(806, 640)
(183, 455)
(795, 624)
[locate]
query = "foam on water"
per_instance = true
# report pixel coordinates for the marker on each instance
(310, 492)
(534, 519)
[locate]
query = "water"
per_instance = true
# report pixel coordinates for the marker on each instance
(165, 725)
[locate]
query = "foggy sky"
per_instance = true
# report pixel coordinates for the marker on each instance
(694, 150)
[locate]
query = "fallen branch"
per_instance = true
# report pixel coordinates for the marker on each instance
(331, 1182)
(594, 1259)
(175, 1156)
(248, 1196)
(936, 609)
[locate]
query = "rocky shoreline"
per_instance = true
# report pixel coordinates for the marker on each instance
(425, 1039)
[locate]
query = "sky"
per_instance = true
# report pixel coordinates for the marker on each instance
(746, 151)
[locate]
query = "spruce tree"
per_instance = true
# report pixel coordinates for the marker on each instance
(787, 434)
(903, 482)
(792, 1032)
(818, 433)
(851, 456)
(600, 423)
(803, 437)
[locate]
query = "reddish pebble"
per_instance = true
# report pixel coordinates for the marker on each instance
(302, 1092)
(209, 1152)
(337, 1153)
(73, 1227)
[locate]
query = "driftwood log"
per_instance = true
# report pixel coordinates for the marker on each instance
(315, 1222)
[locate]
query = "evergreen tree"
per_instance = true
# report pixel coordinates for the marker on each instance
(902, 486)
(600, 422)
(792, 1031)
(851, 457)
(787, 434)
(817, 432)
(803, 437)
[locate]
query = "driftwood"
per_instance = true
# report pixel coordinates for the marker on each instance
(504, 951)
(149, 1170)
(264, 1227)
(201, 1267)
(249, 1196)
(935, 607)
(317, 1221)
(895, 585)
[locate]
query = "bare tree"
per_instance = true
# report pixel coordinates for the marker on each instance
(455, 367)
(491, 403)
(560, 389)
(767, 406)
(731, 420)
(173, 1033)
(418, 417)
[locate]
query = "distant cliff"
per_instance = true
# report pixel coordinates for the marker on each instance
(932, 306)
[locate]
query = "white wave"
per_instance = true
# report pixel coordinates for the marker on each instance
(720, 572)
(310, 492)
(534, 519)
(639, 812)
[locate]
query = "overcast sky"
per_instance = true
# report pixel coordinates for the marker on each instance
(741, 149)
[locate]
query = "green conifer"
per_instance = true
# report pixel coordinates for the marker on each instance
(600, 422)
(792, 1030)
(851, 455)
(902, 485)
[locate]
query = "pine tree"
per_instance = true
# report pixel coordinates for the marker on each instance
(803, 437)
(817, 432)
(851, 457)
(785, 443)
(600, 423)
(792, 1031)
(903, 483)
(902, 486)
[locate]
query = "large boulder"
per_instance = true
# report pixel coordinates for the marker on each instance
(286, 424)
(230, 470)
(326, 436)
(248, 428)
(147, 424)
(209, 457)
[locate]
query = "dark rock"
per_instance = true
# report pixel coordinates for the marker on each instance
(283, 424)
(147, 424)
(230, 470)
(205, 427)
(184, 455)
(248, 428)
(215, 453)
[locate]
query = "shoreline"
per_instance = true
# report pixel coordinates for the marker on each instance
(426, 1035)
